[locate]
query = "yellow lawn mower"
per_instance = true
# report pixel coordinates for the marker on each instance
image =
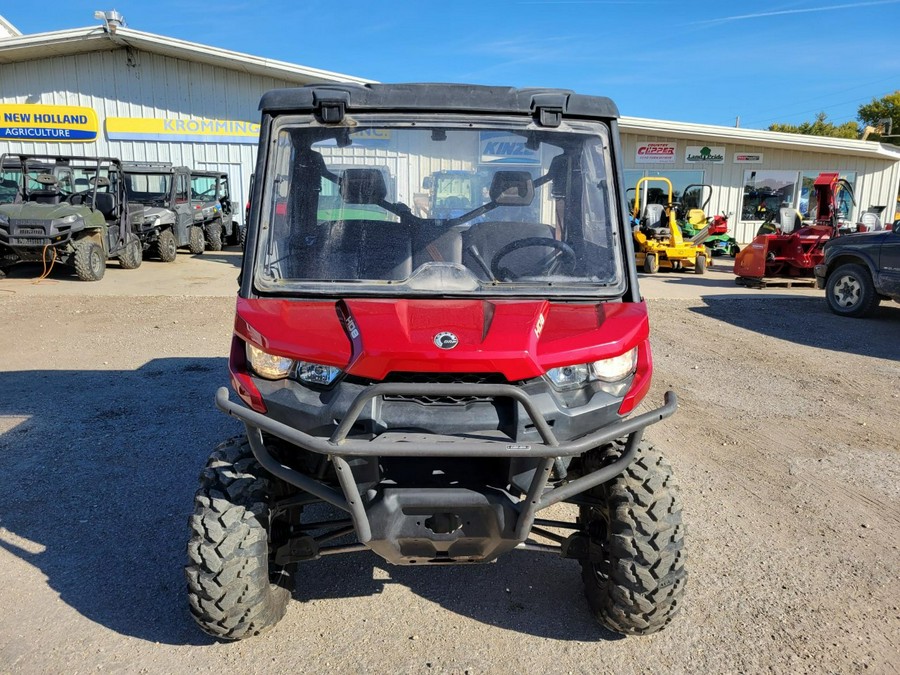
(658, 240)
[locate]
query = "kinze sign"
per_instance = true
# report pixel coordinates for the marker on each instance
(34, 122)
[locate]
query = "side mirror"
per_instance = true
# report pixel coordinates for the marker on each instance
(428, 182)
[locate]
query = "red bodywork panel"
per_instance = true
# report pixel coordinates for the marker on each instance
(783, 255)
(794, 254)
(520, 339)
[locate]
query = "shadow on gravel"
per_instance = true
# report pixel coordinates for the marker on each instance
(97, 483)
(529, 593)
(235, 259)
(100, 478)
(808, 321)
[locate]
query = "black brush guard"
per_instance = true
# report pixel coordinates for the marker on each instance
(338, 447)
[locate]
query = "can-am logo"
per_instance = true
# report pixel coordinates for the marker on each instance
(697, 153)
(655, 153)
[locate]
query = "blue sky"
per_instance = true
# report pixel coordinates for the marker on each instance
(706, 62)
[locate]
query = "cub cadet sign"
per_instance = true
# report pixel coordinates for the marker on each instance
(59, 123)
(704, 154)
(174, 130)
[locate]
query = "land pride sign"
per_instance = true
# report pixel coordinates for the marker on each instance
(54, 123)
(704, 154)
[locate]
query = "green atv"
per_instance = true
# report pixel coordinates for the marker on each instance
(70, 210)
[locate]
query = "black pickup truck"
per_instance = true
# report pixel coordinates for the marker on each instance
(859, 270)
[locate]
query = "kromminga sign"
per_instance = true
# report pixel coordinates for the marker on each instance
(194, 130)
(55, 123)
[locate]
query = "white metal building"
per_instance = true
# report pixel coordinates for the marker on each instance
(741, 164)
(115, 91)
(153, 98)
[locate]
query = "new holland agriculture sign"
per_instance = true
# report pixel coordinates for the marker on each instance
(57, 123)
(175, 130)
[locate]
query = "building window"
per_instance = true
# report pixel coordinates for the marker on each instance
(766, 191)
(807, 194)
(680, 181)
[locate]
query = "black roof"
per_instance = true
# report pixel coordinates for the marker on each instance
(438, 98)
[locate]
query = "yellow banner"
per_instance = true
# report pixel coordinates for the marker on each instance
(37, 122)
(194, 130)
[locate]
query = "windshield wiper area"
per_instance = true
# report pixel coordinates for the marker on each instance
(441, 277)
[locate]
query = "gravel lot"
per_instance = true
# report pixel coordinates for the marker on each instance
(784, 445)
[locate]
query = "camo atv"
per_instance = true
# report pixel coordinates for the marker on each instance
(69, 210)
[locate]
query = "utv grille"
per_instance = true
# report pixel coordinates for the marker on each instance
(444, 378)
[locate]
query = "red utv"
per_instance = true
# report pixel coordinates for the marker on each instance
(439, 381)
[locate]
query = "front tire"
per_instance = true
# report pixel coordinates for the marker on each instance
(635, 579)
(90, 260)
(165, 247)
(851, 292)
(132, 255)
(214, 236)
(196, 240)
(651, 263)
(233, 590)
(700, 264)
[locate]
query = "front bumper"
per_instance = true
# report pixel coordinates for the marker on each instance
(391, 525)
(821, 272)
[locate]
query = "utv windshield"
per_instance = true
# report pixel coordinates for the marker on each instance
(148, 188)
(439, 207)
(203, 188)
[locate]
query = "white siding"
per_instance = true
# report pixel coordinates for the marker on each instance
(877, 180)
(130, 83)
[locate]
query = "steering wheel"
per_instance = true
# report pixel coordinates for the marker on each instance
(562, 254)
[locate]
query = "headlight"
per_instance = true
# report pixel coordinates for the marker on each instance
(268, 366)
(610, 370)
(569, 376)
(68, 219)
(617, 368)
(316, 373)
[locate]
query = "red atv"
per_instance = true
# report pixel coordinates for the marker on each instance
(439, 381)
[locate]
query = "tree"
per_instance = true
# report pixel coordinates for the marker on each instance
(887, 107)
(821, 127)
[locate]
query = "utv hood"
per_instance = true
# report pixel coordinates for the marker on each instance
(165, 216)
(521, 339)
(33, 211)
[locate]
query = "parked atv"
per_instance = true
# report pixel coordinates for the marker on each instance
(213, 209)
(440, 382)
(168, 219)
(71, 210)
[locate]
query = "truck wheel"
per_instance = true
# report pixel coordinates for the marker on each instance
(196, 240)
(90, 260)
(233, 589)
(214, 236)
(132, 255)
(165, 246)
(850, 291)
(635, 581)
(651, 263)
(734, 250)
(700, 264)
(243, 237)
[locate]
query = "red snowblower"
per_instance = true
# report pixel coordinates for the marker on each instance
(789, 248)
